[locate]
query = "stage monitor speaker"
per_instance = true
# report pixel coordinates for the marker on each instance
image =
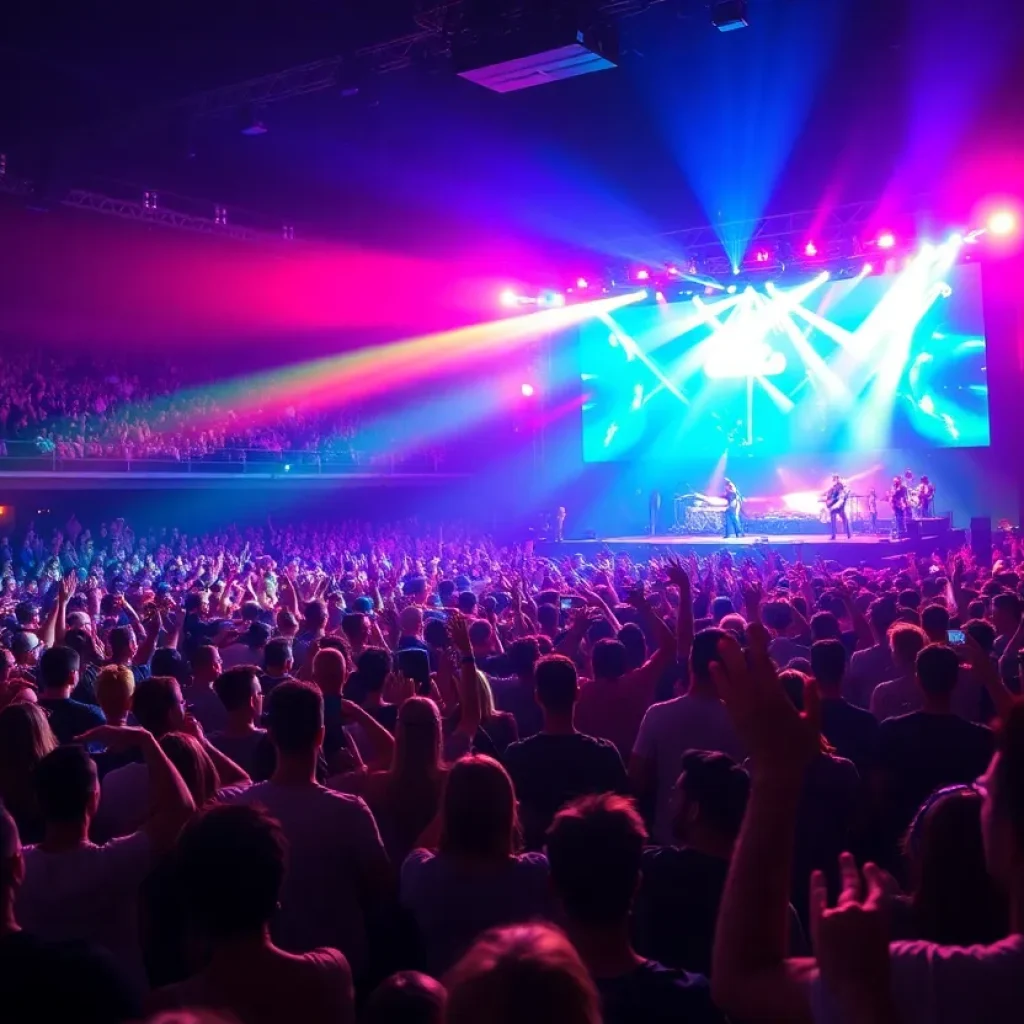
(981, 539)
(914, 529)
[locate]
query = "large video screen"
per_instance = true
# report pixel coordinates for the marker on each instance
(865, 363)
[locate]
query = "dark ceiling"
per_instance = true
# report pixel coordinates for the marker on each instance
(87, 96)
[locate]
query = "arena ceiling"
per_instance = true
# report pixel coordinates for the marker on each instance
(815, 103)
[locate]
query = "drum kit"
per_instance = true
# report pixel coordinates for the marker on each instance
(698, 514)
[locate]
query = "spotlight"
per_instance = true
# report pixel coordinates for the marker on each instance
(287, 467)
(508, 298)
(642, 275)
(581, 283)
(736, 271)
(886, 240)
(672, 272)
(866, 269)
(731, 289)
(1002, 222)
(810, 249)
(659, 296)
(527, 390)
(762, 256)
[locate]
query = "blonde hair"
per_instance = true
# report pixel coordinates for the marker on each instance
(115, 685)
(527, 972)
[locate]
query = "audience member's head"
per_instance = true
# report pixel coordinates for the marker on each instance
(523, 655)
(524, 973)
(704, 653)
(67, 788)
(295, 719)
(881, 615)
(240, 692)
(955, 900)
(935, 622)
(158, 705)
(277, 657)
(557, 685)
(58, 671)
(906, 642)
(115, 689)
(329, 671)
(938, 668)
(609, 659)
(594, 848)
(828, 664)
(407, 997)
(478, 811)
(1006, 613)
(710, 800)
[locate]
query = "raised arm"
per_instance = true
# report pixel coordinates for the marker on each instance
(169, 799)
(469, 691)
(679, 578)
(752, 978)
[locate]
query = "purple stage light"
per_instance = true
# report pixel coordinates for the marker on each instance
(527, 390)
(886, 240)
(643, 275)
(581, 283)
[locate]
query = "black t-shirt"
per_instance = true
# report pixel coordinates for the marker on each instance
(677, 907)
(852, 731)
(69, 719)
(62, 981)
(653, 993)
(922, 752)
(548, 771)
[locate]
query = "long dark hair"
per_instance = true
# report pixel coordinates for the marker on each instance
(955, 901)
(478, 811)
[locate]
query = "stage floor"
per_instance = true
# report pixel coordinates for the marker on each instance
(808, 547)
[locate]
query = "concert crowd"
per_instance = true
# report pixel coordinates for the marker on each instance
(76, 408)
(335, 772)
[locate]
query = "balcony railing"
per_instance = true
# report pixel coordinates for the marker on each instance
(34, 457)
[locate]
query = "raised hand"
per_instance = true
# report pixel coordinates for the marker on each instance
(851, 940)
(117, 738)
(458, 629)
(779, 739)
(677, 575)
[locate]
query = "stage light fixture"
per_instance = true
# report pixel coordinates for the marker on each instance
(643, 275)
(886, 240)
(729, 15)
(866, 269)
(1002, 223)
(731, 289)
(581, 283)
(810, 249)
(508, 298)
(762, 256)
(660, 296)
(672, 271)
(527, 390)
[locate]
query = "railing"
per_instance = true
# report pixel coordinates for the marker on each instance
(33, 457)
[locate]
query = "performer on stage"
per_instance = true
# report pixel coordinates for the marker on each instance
(872, 506)
(835, 501)
(900, 499)
(925, 498)
(560, 524)
(733, 503)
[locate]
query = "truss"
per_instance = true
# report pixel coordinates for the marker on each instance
(841, 222)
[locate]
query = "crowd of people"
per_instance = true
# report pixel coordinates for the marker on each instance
(337, 772)
(78, 407)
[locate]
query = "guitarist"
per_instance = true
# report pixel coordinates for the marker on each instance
(835, 501)
(733, 501)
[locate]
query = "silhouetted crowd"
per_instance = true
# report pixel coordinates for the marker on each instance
(337, 772)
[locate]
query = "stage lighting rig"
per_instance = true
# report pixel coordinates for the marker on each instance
(729, 15)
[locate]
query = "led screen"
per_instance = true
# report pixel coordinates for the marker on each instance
(865, 363)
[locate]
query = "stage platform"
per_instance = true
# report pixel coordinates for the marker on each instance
(794, 547)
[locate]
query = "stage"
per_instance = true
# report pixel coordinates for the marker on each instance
(808, 547)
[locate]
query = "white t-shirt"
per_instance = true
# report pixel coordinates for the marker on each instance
(667, 731)
(89, 893)
(934, 984)
(333, 846)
